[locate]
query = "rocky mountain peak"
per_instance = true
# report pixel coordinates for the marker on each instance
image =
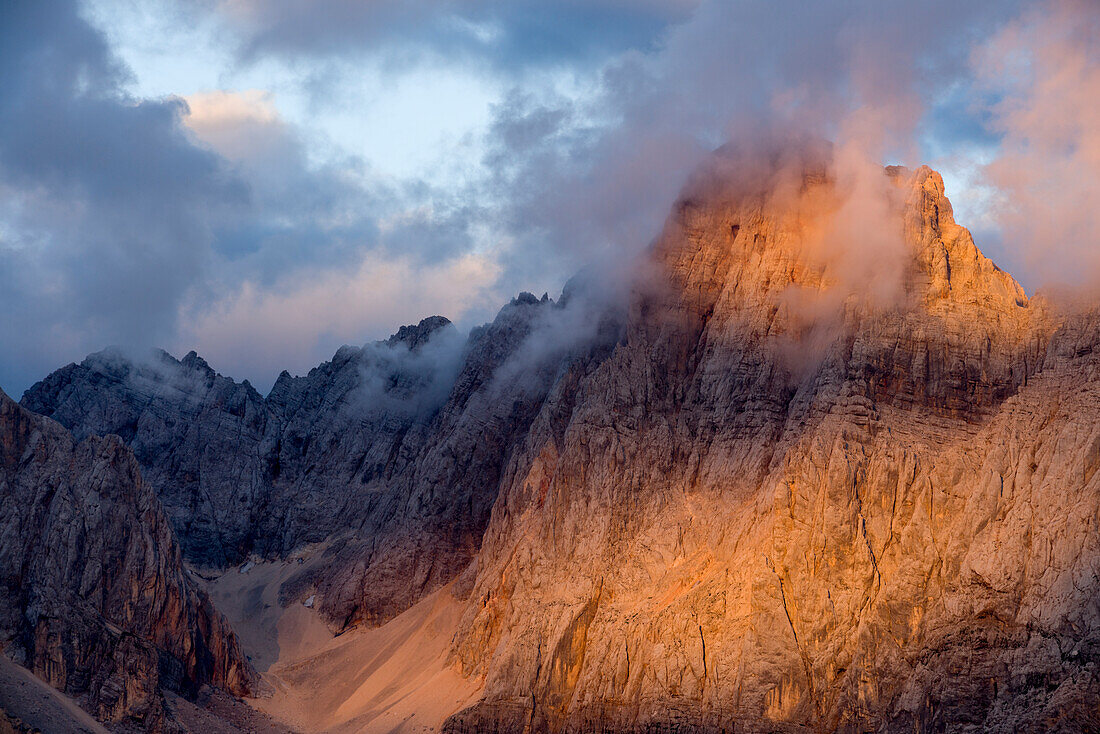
(830, 469)
(193, 361)
(865, 275)
(946, 253)
(809, 234)
(96, 600)
(530, 299)
(415, 335)
(786, 500)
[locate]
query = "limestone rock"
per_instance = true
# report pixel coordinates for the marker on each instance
(94, 596)
(195, 433)
(829, 470)
(422, 522)
(239, 474)
(391, 452)
(777, 507)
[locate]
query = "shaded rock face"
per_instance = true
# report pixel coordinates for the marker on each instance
(196, 435)
(391, 452)
(776, 507)
(93, 595)
(240, 474)
(422, 526)
(334, 436)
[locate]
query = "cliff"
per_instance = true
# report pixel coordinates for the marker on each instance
(390, 452)
(783, 505)
(95, 599)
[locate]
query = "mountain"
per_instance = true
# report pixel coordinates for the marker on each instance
(389, 453)
(891, 528)
(825, 467)
(96, 601)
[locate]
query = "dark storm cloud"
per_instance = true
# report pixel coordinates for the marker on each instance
(103, 198)
(117, 219)
(504, 33)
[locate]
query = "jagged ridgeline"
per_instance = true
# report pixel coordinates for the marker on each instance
(825, 467)
(393, 451)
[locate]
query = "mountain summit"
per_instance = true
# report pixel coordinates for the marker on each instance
(827, 469)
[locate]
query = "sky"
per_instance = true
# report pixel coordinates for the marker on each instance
(263, 182)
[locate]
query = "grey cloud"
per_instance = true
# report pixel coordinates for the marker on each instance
(596, 182)
(397, 380)
(313, 216)
(112, 214)
(507, 34)
(116, 221)
(105, 200)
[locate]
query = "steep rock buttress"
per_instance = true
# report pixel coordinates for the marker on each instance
(782, 504)
(95, 599)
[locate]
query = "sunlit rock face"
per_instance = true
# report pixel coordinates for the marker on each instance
(792, 501)
(93, 596)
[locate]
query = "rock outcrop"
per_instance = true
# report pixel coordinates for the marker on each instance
(93, 595)
(240, 474)
(196, 435)
(421, 523)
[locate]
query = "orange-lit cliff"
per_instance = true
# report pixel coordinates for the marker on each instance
(786, 503)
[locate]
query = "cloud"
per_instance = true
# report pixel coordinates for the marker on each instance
(505, 33)
(258, 331)
(594, 175)
(1042, 73)
(107, 206)
(301, 212)
(118, 214)
(313, 214)
(396, 381)
(212, 221)
(241, 126)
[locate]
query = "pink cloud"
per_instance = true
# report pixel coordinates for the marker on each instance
(1045, 70)
(259, 331)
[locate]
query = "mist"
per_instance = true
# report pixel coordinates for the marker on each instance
(1043, 71)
